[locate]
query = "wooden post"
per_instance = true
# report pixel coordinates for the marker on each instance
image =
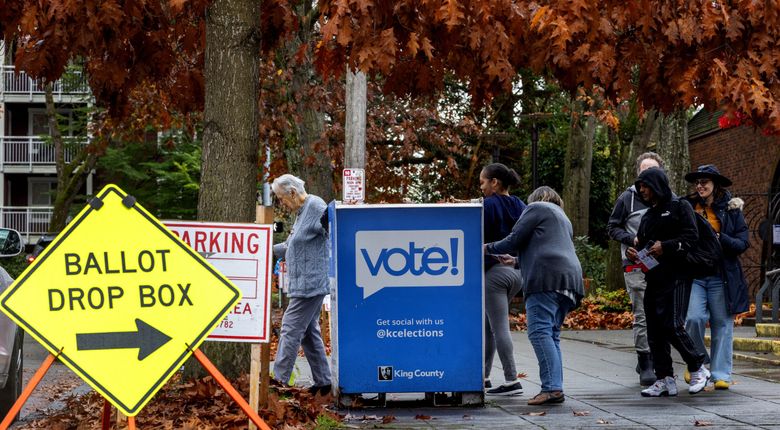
(254, 382)
(260, 353)
(120, 418)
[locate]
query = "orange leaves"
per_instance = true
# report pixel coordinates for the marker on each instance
(538, 21)
(413, 45)
(427, 48)
(450, 13)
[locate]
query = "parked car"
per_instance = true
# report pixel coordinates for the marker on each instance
(40, 245)
(11, 336)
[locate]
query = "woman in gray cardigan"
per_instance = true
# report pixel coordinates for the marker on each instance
(542, 238)
(306, 254)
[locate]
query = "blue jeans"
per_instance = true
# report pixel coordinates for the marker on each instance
(708, 303)
(545, 312)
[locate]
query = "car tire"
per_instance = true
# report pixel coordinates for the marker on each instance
(13, 386)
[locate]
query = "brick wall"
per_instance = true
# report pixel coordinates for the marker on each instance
(749, 159)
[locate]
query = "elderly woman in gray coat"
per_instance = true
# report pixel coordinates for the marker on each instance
(306, 254)
(542, 238)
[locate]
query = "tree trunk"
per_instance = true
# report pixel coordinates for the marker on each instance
(576, 182)
(70, 176)
(310, 159)
(355, 127)
(672, 146)
(228, 189)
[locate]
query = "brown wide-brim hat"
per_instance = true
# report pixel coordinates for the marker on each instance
(709, 171)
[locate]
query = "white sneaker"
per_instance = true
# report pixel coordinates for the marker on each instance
(661, 387)
(699, 380)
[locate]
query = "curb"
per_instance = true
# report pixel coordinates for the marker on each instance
(754, 359)
(752, 344)
(767, 330)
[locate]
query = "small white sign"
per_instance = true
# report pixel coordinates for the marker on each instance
(354, 185)
(284, 281)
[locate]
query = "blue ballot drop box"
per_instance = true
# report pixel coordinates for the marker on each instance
(407, 298)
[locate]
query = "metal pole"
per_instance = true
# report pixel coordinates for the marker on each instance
(534, 155)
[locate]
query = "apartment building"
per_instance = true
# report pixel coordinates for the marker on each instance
(27, 164)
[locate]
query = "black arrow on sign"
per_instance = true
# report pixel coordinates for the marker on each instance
(147, 339)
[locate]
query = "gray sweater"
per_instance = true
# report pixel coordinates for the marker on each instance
(306, 251)
(543, 239)
(624, 220)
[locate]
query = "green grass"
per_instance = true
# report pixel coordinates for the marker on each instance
(325, 422)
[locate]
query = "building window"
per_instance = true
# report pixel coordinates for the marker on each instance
(41, 191)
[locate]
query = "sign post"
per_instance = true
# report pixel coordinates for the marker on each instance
(120, 300)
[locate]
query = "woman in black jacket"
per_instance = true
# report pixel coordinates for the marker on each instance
(719, 297)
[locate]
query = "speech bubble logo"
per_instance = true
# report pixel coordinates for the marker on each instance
(408, 258)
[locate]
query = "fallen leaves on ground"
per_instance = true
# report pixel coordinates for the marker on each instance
(580, 413)
(422, 417)
(603, 421)
(698, 423)
(535, 414)
(588, 316)
(200, 404)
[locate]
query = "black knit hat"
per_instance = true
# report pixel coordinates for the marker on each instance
(709, 171)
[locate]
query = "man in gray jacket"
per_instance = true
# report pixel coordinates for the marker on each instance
(623, 225)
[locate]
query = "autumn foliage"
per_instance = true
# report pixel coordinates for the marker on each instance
(671, 54)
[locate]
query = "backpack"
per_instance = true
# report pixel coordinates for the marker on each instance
(704, 257)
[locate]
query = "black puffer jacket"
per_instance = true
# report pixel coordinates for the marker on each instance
(734, 241)
(671, 221)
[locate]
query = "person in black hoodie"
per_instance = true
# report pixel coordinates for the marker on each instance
(667, 232)
(622, 226)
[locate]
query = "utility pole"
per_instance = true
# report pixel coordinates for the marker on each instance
(355, 127)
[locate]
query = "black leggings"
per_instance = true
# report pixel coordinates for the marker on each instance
(665, 311)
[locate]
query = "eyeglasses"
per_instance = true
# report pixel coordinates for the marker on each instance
(702, 182)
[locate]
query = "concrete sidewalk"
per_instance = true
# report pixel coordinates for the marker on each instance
(601, 385)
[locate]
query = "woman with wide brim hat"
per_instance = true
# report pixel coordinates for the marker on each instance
(718, 298)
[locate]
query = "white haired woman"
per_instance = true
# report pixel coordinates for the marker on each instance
(306, 254)
(542, 238)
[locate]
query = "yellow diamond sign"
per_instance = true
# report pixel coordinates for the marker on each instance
(122, 298)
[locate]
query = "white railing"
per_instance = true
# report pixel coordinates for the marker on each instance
(18, 82)
(33, 151)
(27, 220)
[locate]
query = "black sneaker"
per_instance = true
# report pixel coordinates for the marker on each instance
(322, 390)
(488, 384)
(506, 389)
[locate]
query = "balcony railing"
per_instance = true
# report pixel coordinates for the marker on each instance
(27, 220)
(33, 151)
(18, 82)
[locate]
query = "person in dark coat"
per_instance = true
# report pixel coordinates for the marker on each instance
(666, 233)
(716, 299)
(622, 227)
(502, 280)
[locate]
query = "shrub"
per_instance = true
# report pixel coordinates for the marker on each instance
(593, 260)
